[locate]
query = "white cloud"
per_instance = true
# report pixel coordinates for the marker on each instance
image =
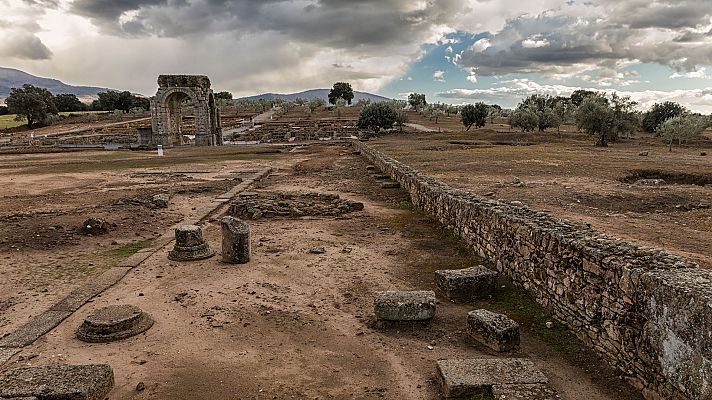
(439, 76)
(701, 73)
(512, 91)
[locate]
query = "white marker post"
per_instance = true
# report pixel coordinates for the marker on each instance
(160, 150)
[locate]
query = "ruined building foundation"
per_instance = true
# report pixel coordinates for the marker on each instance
(167, 116)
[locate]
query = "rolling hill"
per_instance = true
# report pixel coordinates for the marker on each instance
(310, 94)
(10, 78)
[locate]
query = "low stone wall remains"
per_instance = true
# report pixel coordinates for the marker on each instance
(647, 311)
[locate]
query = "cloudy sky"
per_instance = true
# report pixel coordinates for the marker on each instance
(455, 51)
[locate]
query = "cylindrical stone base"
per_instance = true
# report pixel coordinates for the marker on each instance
(190, 245)
(235, 241)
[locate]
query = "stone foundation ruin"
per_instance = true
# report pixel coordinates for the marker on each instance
(647, 311)
(167, 115)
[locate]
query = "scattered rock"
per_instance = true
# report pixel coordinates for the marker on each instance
(703, 154)
(476, 377)
(643, 154)
(317, 250)
(160, 200)
(649, 182)
(140, 387)
(95, 226)
(292, 205)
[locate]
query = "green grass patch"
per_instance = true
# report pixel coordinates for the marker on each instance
(8, 121)
(128, 249)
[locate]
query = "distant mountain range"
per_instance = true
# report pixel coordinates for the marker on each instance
(12, 78)
(315, 93)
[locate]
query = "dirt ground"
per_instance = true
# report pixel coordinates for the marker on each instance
(570, 178)
(45, 199)
(289, 324)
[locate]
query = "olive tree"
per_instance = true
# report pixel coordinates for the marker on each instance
(682, 127)
(474, 115)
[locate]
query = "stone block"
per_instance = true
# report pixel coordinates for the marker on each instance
(58, 382)
(468, 283)
(235, 241)
(477, 377)
(496, 331)
(537, 391)
(390, 185)
(404, 306)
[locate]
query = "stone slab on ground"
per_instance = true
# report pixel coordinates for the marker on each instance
(6, 353)
(477, 376)
(58, 382)
(390, 185)
(538, 391)
(404, 305)
(496, 331)
(476, 282)
(34, 329)
(78, 297)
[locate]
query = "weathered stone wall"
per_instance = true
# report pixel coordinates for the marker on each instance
(648, 312)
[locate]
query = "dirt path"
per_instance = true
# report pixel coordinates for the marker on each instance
(419, 127)
(291, 324)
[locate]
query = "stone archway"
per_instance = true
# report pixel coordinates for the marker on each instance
(166, 111)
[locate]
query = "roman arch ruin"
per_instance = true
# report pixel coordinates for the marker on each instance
(167, 116)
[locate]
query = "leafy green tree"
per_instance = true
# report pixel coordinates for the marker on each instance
(300, 101)
(494, 111)
(316, 103)
(113, 100)
(341, 90)
(626, 120)
(223, 95)
(436, 113)
(474, 115)
(417, 101)
(525, 118)
(578, 96)
(68, 102)
(659, 113)
(4, 110)
(377, 116)
(31, 103)
(595, 116)
(682, 127)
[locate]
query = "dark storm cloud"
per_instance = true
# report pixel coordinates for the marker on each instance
(25, 46)
(628, 31)
(331, 23)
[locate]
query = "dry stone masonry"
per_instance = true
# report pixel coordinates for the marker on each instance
(253, 206)
(167, 117)
(648, 312)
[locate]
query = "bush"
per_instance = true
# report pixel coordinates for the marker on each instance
(377, 116)
(524, 118)
(659, 113)
(682, 127)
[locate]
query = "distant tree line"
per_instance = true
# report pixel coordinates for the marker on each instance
(38, 106)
